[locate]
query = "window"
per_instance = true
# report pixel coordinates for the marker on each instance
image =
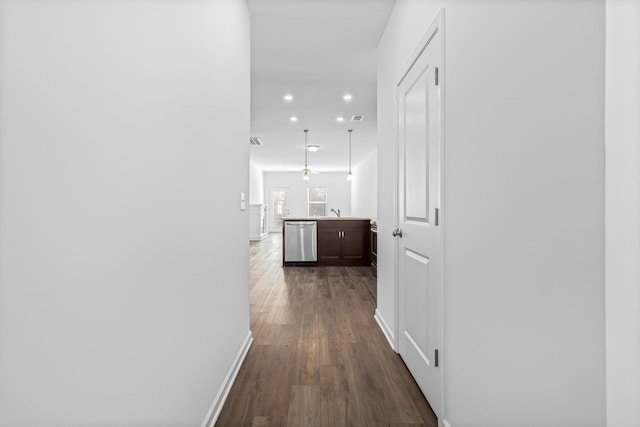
(317, 201)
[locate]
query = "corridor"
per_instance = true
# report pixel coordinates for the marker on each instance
(318, 356)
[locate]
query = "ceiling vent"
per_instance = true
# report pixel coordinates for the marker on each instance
(254, 140)
(357, 118)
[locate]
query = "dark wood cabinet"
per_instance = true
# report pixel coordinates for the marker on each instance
(329, 242)
(343, 242)
(373, 238)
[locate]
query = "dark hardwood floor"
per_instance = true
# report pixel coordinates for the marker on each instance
(318, 356)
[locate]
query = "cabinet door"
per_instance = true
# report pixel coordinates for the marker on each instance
(329, 245)
(354, 242)
(343, 242)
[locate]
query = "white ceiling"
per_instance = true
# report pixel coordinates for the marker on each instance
(316, 50)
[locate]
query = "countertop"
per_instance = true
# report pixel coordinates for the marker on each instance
(326, 218)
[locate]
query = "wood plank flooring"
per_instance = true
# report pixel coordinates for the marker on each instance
(318, 356)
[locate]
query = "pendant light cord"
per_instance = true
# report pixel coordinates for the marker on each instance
(305, 150)
(350, 130)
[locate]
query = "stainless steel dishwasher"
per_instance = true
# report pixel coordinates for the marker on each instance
(300, 241)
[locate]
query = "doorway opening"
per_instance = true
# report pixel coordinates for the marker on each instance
(279, 199)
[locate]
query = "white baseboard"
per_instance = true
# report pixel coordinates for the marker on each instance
(223, 392)
(257, 238)
(385, 329)
(445, 423)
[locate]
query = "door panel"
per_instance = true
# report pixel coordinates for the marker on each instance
(416, 153)
(420, 253)
(416, 268)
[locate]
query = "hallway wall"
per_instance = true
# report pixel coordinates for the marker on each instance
(256, 186)
(364, 187)
(523, 206)
(623, 211)
(123, 252)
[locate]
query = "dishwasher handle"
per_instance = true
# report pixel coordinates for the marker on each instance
(300, 223)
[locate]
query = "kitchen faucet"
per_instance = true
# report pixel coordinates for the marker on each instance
(336, 212)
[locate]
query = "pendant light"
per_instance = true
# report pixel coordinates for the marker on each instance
(349, 175)
(305, 174)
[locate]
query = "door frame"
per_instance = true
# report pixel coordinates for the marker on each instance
(437, 26)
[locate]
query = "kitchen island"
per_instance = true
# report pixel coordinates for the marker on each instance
(338, 241)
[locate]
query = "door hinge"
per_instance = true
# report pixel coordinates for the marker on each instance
(437, 80)
(437, 216)
(436, 358)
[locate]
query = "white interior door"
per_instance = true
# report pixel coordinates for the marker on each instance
(279, 208)
(419, 233)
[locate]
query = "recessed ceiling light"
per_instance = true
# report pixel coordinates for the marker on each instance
(347, 97)
(293, 118)
(288, 97)
(313, 148)
(340, 119)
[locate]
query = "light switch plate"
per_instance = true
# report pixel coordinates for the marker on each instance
(243, 204)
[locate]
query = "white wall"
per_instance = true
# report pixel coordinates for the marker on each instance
(523, 210)
(338, 191)
(364, 187)
(622, 212)
(123, 252)
(256, 185)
